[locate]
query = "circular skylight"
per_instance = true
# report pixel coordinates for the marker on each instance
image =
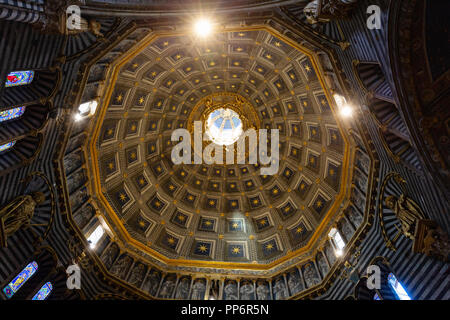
(224, 126)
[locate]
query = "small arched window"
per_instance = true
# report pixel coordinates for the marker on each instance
(20, 279)
(397, 287)
(10, 114)
(43, 292)
(19, 78)
(7, 146)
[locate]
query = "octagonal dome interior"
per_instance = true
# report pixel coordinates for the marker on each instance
(222, 214)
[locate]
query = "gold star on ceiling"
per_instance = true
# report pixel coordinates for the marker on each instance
(236, 250)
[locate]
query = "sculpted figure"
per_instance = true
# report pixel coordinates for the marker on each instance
(323, 10)
(311, 276)
(279, 289)
(294, 282)
(262, 290)
(183, 289)
(152, 283)
(231, 292)
(110, 255)
(121, 266)
(137, 274)
(198, 290)
(214, 289)
(247, 291)
(18, 213)
(437, 244)
(347, 230)
(407, 211)
(167, 287)
(323, 266)
(354, 217)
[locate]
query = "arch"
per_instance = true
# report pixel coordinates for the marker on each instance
(42, 87)
(386, 115)
(400, 148)
(371, 79)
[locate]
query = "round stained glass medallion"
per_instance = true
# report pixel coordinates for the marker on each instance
(224, 126)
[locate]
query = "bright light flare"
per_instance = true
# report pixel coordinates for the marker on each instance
(346, 111)
(203, 27)
(338, 253)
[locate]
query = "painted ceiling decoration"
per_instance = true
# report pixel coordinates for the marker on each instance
(223, 219)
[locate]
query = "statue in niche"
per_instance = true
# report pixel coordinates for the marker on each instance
(360, 180)
(322, 264)
(294, 283)
(280, 290)
(72, 161)
(407, 212)
(354, 216)
(167, 287)
(347, 229)
(75, 180)
(198, 289)
(323, 10)
(431, 240)
(86, 213)
(214, 289)
(18, 213)
(357, 199)
(262, 290)
(183, 289)
(311, 276)
(152, 283)
(110, 255)
(137, 275)
(362, 161)
(330, 254)
(121, 266)
(247, 291)
(80, 197)
(231, 292)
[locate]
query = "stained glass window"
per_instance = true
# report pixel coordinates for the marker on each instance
(7, 146)
(43, 292)
(397, 287)
(19, 78)
(20, 279)
(11, 113)
(376, 297)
